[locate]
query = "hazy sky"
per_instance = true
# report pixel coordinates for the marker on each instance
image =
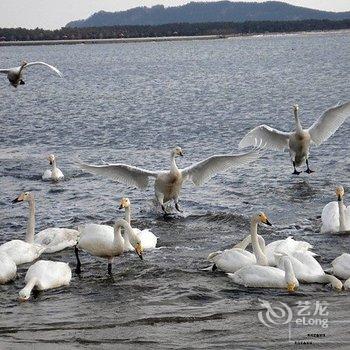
(52, 14)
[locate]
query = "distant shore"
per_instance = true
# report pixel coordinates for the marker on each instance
(157, 39)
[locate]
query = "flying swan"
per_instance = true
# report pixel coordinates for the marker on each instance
(44, 275)
(335, 215)
(168, 184)
(231, 260)
(148, 239)
(298, 142)
(15, 75)
(51, 239)
(106, 242)
(55, 173)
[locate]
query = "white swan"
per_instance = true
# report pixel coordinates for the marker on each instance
(19, 251)
(231, 260)
(52, 239)
(341, 266)
(286, 246)
(8, 268)
(307, 269)
(148, 239)
(55, 173)
(298, 142)
(347, 284)
(258, 276)
(44, 275)
(335, 215)
(15, 75)
(168, 184)
(106, 242)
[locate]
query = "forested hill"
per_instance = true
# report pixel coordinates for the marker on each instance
(204, 12)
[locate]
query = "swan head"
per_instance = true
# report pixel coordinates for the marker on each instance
(51, 158)
(292, 287)
(262, 217)
(24, 197)
(339, 191)
(139, 250)
(177, 151)
(124, 203)
(296, 109)
(24, 294)
(24, 63)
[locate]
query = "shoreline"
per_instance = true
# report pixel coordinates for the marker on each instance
(159, 39)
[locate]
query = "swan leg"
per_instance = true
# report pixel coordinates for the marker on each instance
(109, 268)
(78, 268)
(160, 199)
(308, 170)
(295, 172)
(214, 267)
(176, 200)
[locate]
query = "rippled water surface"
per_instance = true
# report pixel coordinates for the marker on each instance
(132, 103)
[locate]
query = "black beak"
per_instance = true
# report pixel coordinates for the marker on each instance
(268, 223)
(16, 201)
(50, 162)
(181, 154)
(140, 256)
(339, 198)
(121, 207)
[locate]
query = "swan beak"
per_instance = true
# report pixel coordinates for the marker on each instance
(121, 206)
(339, 198)
(291, 287)
(50, 162)
(17, 200)
(268, 222)
(181, 154)
(138, 250)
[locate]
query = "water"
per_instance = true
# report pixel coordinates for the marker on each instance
(132, 103)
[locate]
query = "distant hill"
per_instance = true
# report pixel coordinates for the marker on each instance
(201, 12)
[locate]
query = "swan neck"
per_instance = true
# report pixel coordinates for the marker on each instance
(173, 166)
(54, 165)
(298, 126)
(31, 222)
(289, 272)
(128, 215)
(341, 214)
(259, 254)
(29, 286)
(334, 281)
(118, 238)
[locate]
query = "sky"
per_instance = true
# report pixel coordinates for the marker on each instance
(54, 14)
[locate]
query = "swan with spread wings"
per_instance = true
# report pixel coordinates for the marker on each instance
(15, 75)
(168, 183)
(298, 142)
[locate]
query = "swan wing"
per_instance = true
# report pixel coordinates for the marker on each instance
(56, 239)
(341, 266)
(259, 276)
(330, 217)
(231, 260)
(329, 122)
(5, 71)
(199, 172)
(46, 65)
(124, 173)
(47, 175)
(266, 136)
